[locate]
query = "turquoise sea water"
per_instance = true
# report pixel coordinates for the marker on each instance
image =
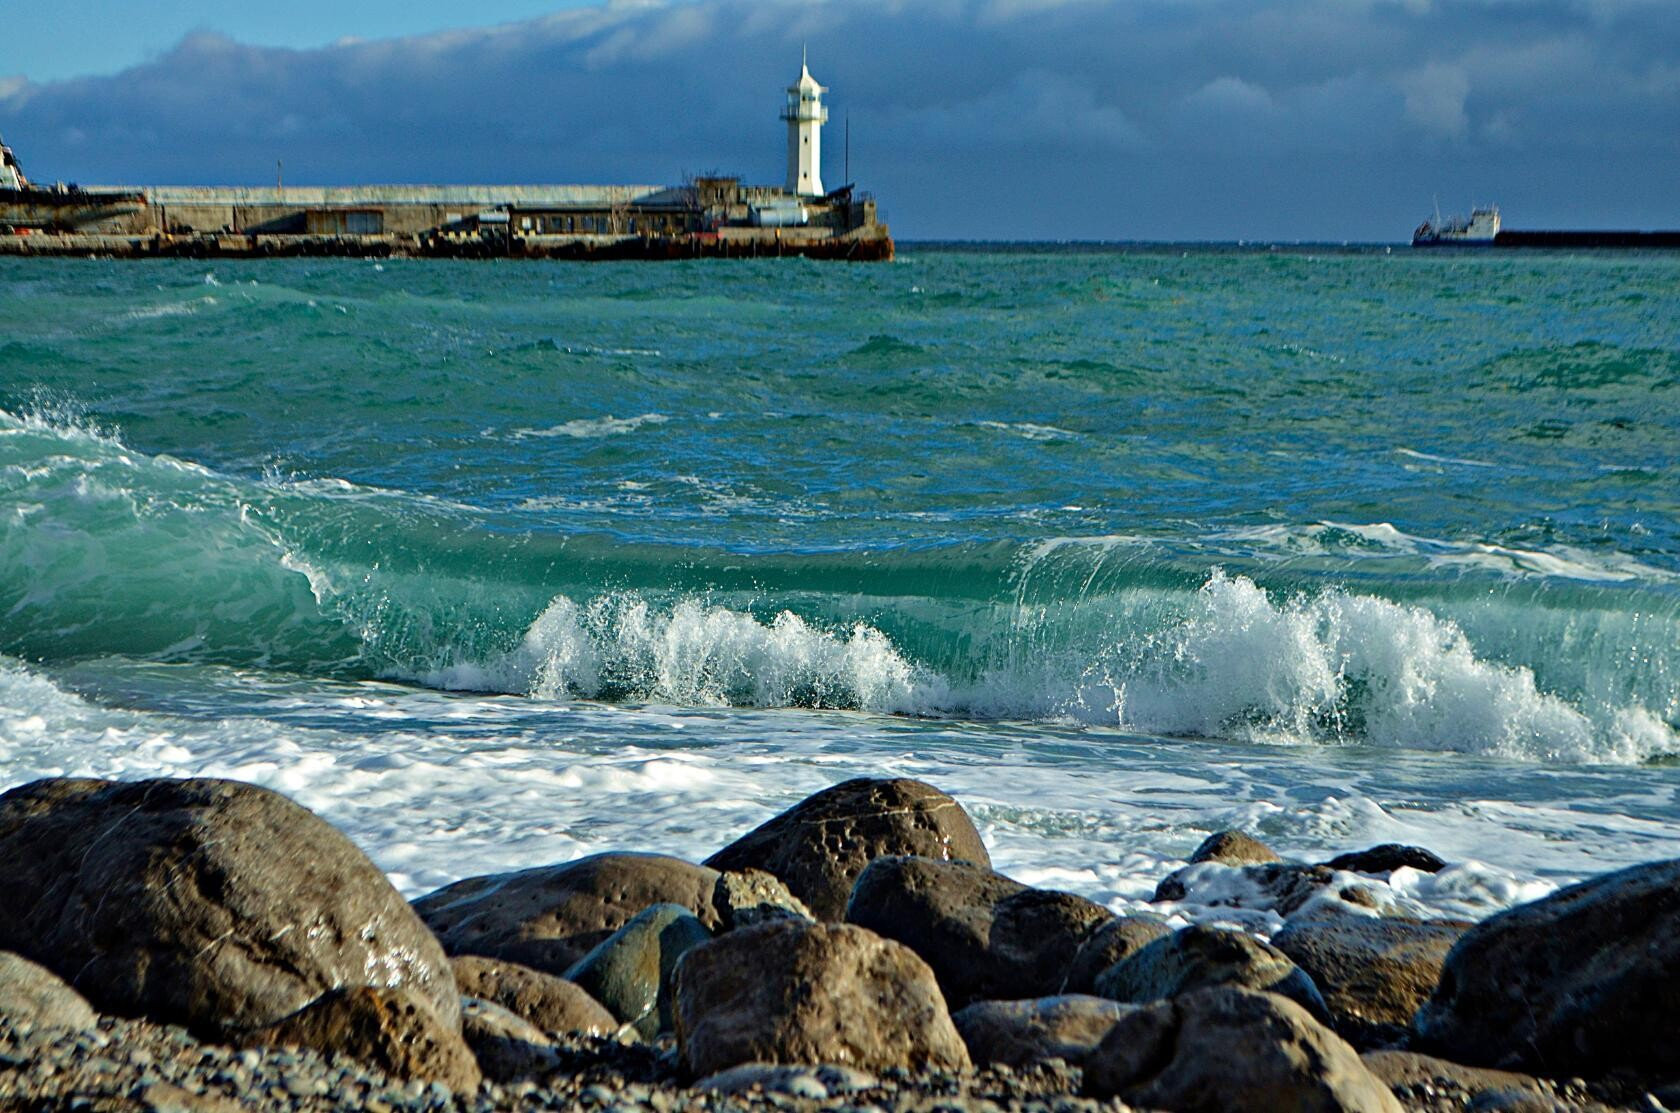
(500, 564)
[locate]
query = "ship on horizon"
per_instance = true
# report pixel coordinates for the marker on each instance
(1484, 228)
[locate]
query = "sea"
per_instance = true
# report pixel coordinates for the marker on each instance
(498, 564)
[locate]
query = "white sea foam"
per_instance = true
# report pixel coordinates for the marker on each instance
(589, 428)
(1238, 663)
(1029, 430)
(1433, 459)
(694, 654)
(438, 786)
(1354, 540)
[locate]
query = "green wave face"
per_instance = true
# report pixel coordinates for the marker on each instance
(108, 551)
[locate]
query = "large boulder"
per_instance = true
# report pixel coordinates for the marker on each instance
(549, 1003)
(1374, 973)
(820, 845)
(549, 917)
(1584, 981)
(1112, 942)
(393, 1030)
(1200, 957)
(508, 1047)
(1233, 848)
(1387, 858)
(1020, 1033)
(630, 971)
(208, 903)
(800, 992)
(986, 937)
(1229, 1048)
(32, 994)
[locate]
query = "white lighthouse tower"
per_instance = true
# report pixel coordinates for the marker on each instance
(805, 116)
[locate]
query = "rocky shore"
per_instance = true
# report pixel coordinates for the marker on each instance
(210, 945)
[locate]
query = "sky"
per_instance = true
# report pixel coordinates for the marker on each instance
(1323, 120)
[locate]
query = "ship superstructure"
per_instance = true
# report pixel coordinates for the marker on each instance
(1480, 228)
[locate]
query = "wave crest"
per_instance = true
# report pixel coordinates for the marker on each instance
(623, 647)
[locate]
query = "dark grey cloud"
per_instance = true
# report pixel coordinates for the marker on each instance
(1326, 119)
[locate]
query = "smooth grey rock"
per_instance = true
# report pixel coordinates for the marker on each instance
(1584, 981)
(1374, 974)
(1226, 1049)
(798, 992)
(1111, 942)
(816, 1083)
(549, 917)
(820, 845)
(1020, 1033)
(1200, 957)
(207, 903)
(393, 1030)
(507, 1046)
(630, 971)
(986, 936)
(1233, 848)
(32, 994)
(747, 897)
(550, 1003)
(1387, 858)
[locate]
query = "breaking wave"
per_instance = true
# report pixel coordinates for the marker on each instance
(106, 551)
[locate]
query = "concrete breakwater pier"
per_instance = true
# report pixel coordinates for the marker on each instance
(714, 216)
(711, 217)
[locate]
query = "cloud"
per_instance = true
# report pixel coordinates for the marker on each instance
(1062, 118)
(1435, 99)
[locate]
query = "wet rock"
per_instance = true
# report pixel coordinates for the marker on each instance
(1111, 942)
(1200, 957)
(550, 1003)
(549, 917)
(1233, 848)
(1584, 981)
(1374, 974)
(747, 897)
(1281, 887)
(798, 992)
(1387, 858)
(1229, 1048)
(32, 994)
(393, 1030)
(1018, 1033)
(817, 1083)
(168, 899)
(507, 1046)
(630, 971)
(820, 845)
(985, 936)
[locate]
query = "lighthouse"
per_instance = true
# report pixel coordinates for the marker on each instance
(805, 116)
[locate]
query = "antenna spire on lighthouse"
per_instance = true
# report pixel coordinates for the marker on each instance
(805, 115)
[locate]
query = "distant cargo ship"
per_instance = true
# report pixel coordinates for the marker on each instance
(704, 217)
(1482, 228)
